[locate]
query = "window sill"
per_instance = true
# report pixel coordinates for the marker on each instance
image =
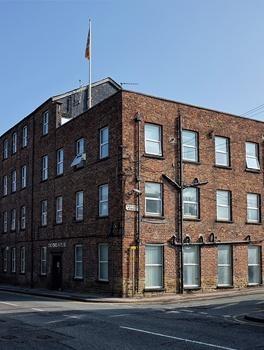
(226, 167)
(225, 287)
(154, 156)
(191, 162)
(22, 229)
(224, 221)
(189, 289)
(22, 273)
(151, 290)
(42, 181)
(103, 281)
(23, 188)
(42, 275)
(154, 217)
(256, 171)
(102, 159)
(78, 279)
(253, 223)
(58, 223)
(43, 226)
(192, 219)
(254, 284)
(102, 216)
(78, 221)
(59, 175)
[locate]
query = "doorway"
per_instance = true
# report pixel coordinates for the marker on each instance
(56, 278)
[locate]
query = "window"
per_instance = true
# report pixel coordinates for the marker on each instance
(153, 139)
(5, 185)
(23, 217)
(103, 262)
(224, 267)
(59, 210)
(43, 261)
(5, 221)
(44, 168)
(223, 203)
(13, 260)
(13, 219)
(103, 200)
(45, 123)
(24, 176)
(154, 266)
(104, 142)
(60, 160)
(22, 260)
(5, 149)
(189, 146)
(13, 181)
(253, 208)
(14, 143)
(5, 260)
(79, 147)
(25, 136)
(153, 199)
(44, 213)
(191, 267)
(78, 258)
(252, 156)
(254, 267)
(79, 206)
(222, 156)
(191, 203)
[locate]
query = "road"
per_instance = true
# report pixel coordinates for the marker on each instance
(31, 322)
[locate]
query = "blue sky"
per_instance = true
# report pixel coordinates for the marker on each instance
(207, 52)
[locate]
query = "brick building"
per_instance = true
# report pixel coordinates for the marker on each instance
(137, 195)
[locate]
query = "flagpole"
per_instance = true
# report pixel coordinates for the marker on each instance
(90, 65)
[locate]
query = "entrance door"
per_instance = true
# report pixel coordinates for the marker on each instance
(56, 282)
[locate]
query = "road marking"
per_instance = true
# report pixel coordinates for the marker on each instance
(173, 312)
(120, 315)
(203, 313)
(223, 306)
(35, 309)
(186, 310)
(260, 302)
(10, 304)
(177, 338)
(227, 316)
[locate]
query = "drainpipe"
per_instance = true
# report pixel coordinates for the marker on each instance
(32, 205)
(180, 203)
(138, 180)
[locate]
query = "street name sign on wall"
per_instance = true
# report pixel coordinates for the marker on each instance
(131, 207)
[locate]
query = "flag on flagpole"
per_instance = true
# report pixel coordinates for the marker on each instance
(88, 45)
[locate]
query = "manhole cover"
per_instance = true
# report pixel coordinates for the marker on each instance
(9, 337)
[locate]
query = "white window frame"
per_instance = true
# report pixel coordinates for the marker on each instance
(78, 261)
(25, 136)
(226, 152)
(196, 203)
(5, 221)
(104, 144)
(160, 199)
(13, 259)
(24, 176)
(13, 181)
(59, 209)
(255, 265)
(196, 265)
(160, 265)
(80, 147)
(22, 259)
(228, 205)
(157, 142)
(14, 143)
(44, 212)
(5, 259)
(227, 265)
(23, 217)
(5, 185)
(43, 261)
(44, 167)
(255, 209)
(45, 123)
(255, 157)
(103, 200)
(187, 147)
(79, 205)
(60, 161)
(100, 262)
(13, 219)
(5, 149)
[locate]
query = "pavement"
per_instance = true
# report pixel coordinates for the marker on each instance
(166, 299)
